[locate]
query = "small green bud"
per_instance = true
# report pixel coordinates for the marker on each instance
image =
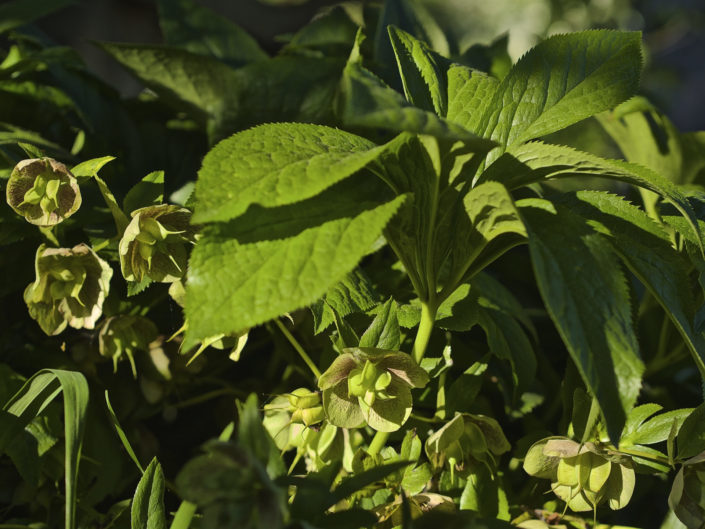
(155, 244)
(123, 336)
(43, 191)
(69, 288)
(305, 407)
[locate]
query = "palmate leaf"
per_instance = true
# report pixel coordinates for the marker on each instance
(35, 395)
(197, 29)
(562, 80)
(276, 164)
(587, 297)
(270, 261)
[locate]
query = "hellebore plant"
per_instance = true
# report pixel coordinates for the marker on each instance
(451, 299)
(43, 191)
(70, 287)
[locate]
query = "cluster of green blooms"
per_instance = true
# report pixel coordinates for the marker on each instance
(582, 475)
(71, 284)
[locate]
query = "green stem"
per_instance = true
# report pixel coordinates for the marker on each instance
(183, 516)
(377, 443)
(423, 335)
(296, 345)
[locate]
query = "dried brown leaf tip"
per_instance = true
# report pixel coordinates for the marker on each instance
(43, 191)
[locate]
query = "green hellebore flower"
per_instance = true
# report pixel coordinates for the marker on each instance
(305, 406)
(464, 438)
(582, 475)
(43, 191)
(154, 244)
(372, 386)
(687, 497)
(69, 289)
(123, 336)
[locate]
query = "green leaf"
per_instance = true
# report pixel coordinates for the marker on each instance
(182, 78)
(491, 227)
(422, 72)
(352, 484)
(21, 12)
(658, 428)
(691, 437)
(645, 136)
(366, 101)
(413, 17)
(561, 81)
(587, 297)
(646, 249)
(331, 32)
(34, 396)
(480, 493)
(197, 29)
(469, 93)
(536, 162)
(121, 434)
(148, 510)
(90, 168)
(384, 332)
(274, 165)
(147, 192)
(253, 437)
(281, 259)
(355, 293)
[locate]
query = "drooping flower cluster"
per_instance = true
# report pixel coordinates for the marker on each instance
(373, 386)
(155, 244)
(43, 191)
(583, 475)
(122, 336)
(69, 289)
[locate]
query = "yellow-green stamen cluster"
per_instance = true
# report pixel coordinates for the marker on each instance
(369, 383)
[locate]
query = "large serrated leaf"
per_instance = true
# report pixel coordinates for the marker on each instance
(587, 297)
(469, 92)
(268, 262)
(182, 78)
(368, 102)
(490, 225)
(536, 162)
(645, 248)
(200, 30)
(276, 164)
(422, 72)
(563, 80)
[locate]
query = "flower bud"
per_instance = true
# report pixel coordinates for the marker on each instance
(123, 336)
(154, 244)
(305, 407)
(43, 191)
(70, 287)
